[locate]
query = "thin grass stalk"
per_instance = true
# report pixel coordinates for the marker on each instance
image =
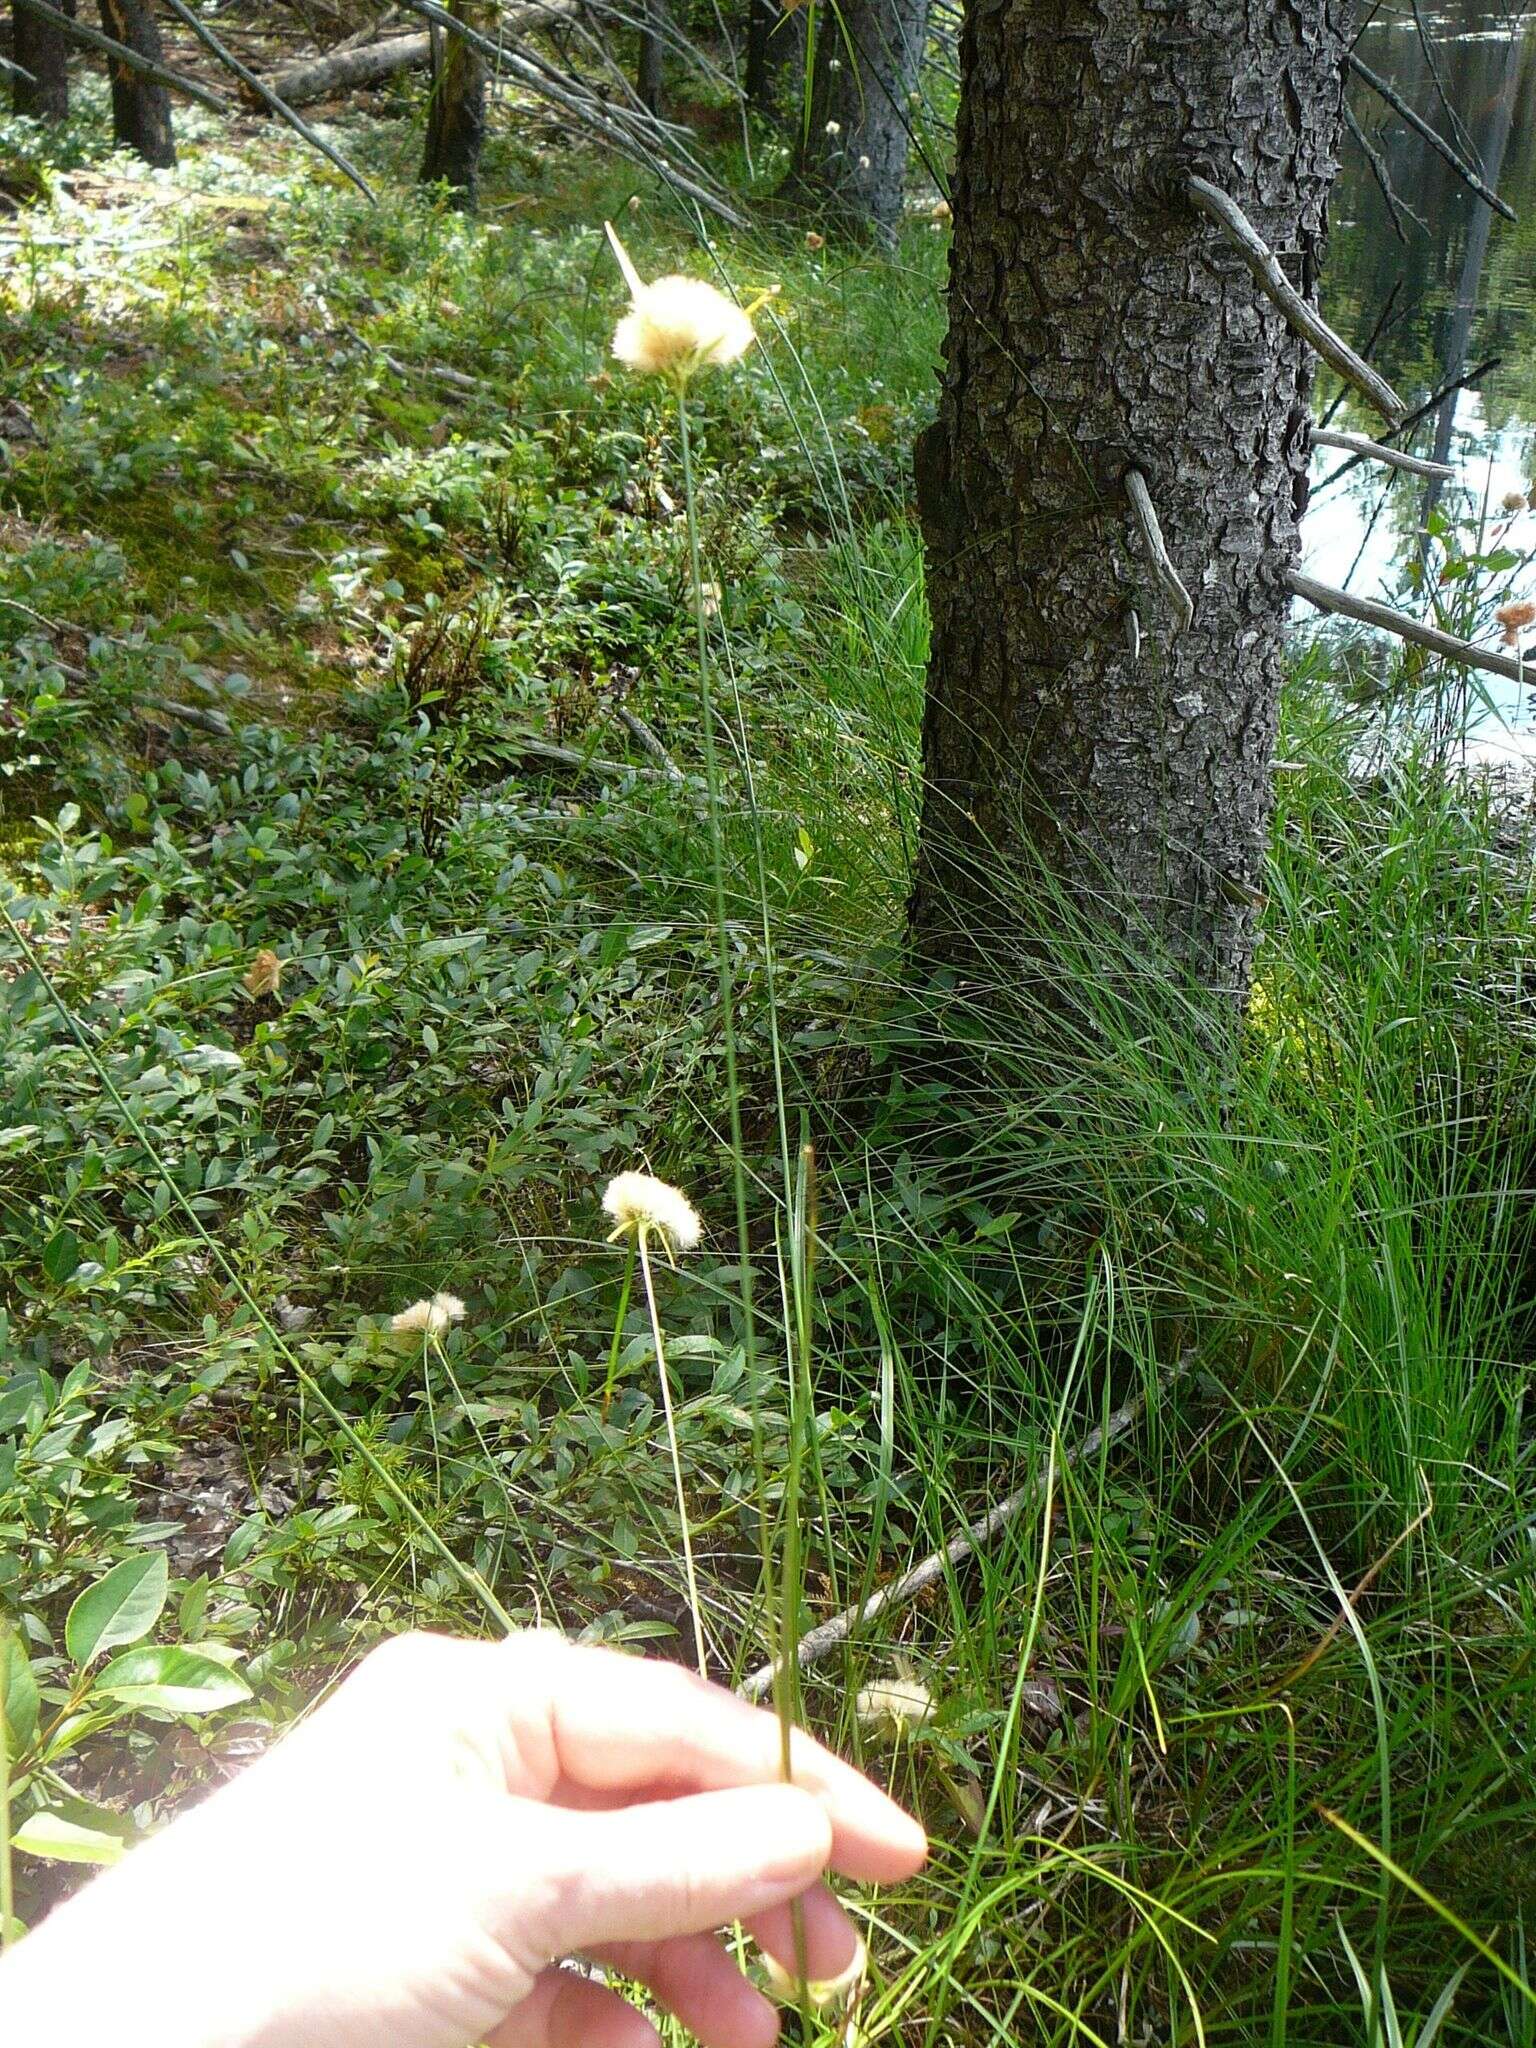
(642, 1240)
(782, 1627)
(618, 1329)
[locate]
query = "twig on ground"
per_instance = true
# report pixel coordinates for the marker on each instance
(816, 1642)
(638, 730)
(269, 98)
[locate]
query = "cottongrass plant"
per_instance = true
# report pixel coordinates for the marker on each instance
(677, 328)
(647, 1211)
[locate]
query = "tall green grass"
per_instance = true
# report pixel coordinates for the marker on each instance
(1298, 1609)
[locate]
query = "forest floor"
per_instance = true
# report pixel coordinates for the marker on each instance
(355, 846)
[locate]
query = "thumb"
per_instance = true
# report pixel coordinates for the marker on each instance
(675, 1866)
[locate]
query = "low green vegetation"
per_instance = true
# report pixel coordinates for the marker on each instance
(360, 926)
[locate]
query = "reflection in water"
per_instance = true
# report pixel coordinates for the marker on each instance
(1464, 280)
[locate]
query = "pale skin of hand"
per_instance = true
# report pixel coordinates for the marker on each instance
(408, 1866)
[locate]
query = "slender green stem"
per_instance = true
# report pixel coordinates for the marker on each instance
(618, 1328)
(641, 1240)
(782, 1633)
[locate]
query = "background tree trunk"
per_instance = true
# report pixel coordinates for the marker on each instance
(43, 50)
(648, 64)
(775, 79)
(1097, 322)
(853, 151)
(141, 109)
(456, 113)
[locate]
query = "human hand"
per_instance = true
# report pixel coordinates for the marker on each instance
(408, 1865)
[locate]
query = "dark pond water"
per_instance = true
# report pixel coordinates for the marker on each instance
(1456, 287)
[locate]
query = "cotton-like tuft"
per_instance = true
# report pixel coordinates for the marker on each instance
(432, 1318)
(638, 1201)
(890, 1706)
(677, 326)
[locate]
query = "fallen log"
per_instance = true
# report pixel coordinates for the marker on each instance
(345, 69)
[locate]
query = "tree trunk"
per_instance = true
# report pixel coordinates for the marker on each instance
(648, 64)
(775, 59)
(456, 115)
(853, 150)
(43, 50)
(1098, 323)
(141, 108)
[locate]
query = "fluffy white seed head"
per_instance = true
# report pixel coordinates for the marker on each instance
(638, 1201)
(677, 326)
(892, 1706)
(431, 1318)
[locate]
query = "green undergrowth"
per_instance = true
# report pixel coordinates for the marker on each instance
(335, 986)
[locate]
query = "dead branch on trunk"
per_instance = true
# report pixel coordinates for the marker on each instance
(1420, 412)
(1261, 260)
(1378, 451)
(272, 101)
(1432, 136)
(130, 59)
(816, 1642)
(1447, 645)
(1150, 529)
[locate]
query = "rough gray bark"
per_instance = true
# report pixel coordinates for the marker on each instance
(1098, 323)
(41, 48)
(456, 114)
(141, 107)
(853, 150)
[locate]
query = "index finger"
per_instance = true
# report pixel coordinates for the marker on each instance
(625, 1723)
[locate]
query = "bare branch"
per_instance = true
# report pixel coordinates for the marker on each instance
(1420, 412)
(269, 98)
(633, 135)
(816, 1642)
(637, 729)
(1378, 451)
(130, 59)
(1382, 616)
(1215, 204)
(1432, 136)
(1396, 207)
(1179, 599)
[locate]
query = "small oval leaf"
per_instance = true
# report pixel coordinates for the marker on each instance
(174, 1681)
(18, 1695)
(118, 1609)
(65, 1841)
